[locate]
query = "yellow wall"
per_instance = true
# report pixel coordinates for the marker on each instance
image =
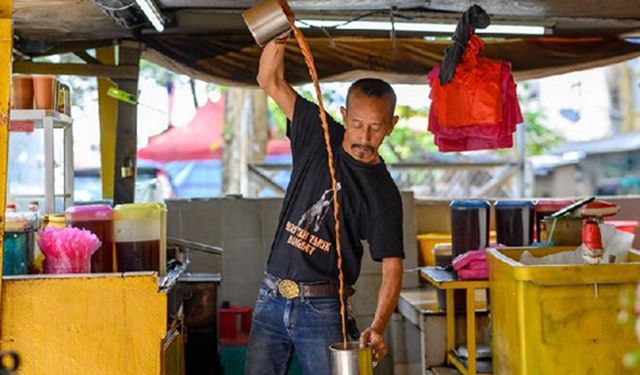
(6, 40)
(103, 324)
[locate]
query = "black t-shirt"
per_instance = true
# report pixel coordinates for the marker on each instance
(370, 207)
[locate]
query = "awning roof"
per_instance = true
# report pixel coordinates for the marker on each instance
(208, 39)
(409, 61)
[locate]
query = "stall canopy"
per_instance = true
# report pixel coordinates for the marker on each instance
(208, 39)
(201, 139)
(406, 60)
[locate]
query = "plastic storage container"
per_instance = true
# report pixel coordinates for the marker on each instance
(629, 226)
(141, 237)
(22, 92)
(514, 222)
(17, 239)
(566, 231)
(427, 243)
(469, 226)
(559, 319)
(544, 208)
(54, 221)
(98, 219)
(44, 90)
(235, 324)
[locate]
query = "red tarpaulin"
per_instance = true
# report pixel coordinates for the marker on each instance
(201, 139)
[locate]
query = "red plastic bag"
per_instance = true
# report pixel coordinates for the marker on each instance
(479, 136)
(474, 96)
(511, 113)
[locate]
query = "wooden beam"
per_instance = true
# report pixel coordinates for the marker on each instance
(86, 57)
(296, 4)
(6, 48)
(263, 177)
(62, 47)
(126, 71)
(108, 108)
(126, 132)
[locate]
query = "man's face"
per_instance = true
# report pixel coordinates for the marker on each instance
(367, 121)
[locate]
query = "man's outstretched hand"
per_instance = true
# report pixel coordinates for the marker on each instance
(374, 339)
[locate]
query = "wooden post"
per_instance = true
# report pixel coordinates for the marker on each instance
(6, 45)
(235, 155)
(126, 132)
(260, 133)
(108, 108)
(245, 138)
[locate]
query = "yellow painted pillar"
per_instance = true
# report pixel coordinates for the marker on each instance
(108, 120)
(6, 38)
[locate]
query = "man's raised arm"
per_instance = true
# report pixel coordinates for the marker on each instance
(271, 76)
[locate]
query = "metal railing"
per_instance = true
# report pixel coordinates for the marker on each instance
(426, 180)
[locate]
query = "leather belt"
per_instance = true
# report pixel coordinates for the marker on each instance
(290, 289)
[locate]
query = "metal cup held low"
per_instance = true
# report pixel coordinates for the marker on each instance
(267, 20)
(351, 360)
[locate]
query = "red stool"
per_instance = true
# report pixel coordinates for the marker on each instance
(235, 325)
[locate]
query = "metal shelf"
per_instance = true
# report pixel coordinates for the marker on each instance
(48, 120)
(60, 120)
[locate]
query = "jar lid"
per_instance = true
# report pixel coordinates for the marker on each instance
(470, 204)
(552, 205)
(139, 211)
(514, 204)
(17, 222)
(599, 208)
(93, 212)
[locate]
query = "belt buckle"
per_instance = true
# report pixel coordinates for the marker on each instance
(289, 289)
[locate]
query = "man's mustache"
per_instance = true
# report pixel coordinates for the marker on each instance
(365, 148)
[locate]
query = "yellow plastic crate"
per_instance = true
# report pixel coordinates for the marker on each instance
(426, 243)
(559, 319)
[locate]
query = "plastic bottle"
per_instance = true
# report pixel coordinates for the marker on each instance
(37, 258)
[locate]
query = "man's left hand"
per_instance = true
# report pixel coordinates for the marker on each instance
(374, 339)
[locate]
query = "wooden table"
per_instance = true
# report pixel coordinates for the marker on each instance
(448, 281)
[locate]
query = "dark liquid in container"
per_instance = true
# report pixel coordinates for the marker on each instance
(138, 256)
(467, 231)
(102, 259)
(512, 228)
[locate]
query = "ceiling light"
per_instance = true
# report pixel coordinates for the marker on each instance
(419, 27)
(153, 14)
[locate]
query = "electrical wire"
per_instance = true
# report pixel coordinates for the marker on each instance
(115, 9)
(358, 18)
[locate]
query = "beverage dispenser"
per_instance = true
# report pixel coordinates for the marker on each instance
(514, 222)
(98, 219)
(140, 237)
(469, 226)
(17, 238)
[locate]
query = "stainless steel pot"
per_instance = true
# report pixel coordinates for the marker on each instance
(351, 360)
(267, 20)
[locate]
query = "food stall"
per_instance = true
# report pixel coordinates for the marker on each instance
(130, 318)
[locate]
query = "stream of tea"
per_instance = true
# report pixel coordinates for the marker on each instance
(308, 58)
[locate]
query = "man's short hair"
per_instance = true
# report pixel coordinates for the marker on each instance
(375, 88)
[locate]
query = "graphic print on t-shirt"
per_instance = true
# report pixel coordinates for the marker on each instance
(316, 214)
(300, 236)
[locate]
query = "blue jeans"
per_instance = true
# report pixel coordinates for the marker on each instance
(281, 328)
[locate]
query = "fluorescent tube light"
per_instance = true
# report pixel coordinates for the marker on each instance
(152, 12)
(420, 27)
